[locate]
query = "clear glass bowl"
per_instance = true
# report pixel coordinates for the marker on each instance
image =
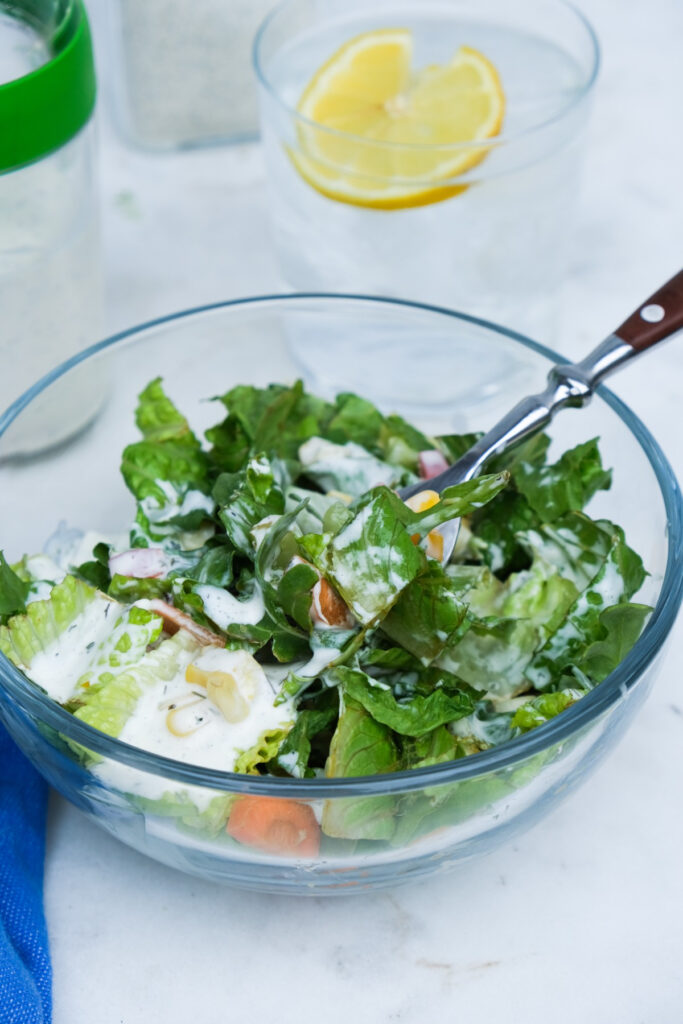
(445, 370)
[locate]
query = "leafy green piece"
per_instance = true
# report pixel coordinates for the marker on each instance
(391, 659)
(273, 557)
(433, 747)
(440, 807)
(131, 634)
(355, 419)
(294, 593)
(208, 821)
(164, 469)
(108, 705)
(541, 709)
(457, 501)
(411, 716)
(30, 632)
(215, 566)
(294, 753)
(620, 627)
(507, 623)
(360, 746)
(96, 571)
(127, 589)
(493, 655)
(487, 726)
(348, 468)
(275, 419)
(574, 544)
(400, 443)
(455, 445)
(429, 616)
(372, 558)
(619, 576)
(246, 498)
(263, 750)
(496, 529)
(13, 591)
(539, 493)
(565, 486)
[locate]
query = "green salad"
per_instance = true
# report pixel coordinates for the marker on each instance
(277, 609)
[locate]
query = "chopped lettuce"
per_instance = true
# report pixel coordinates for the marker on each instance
(167, 471)
(28, 634)
(291, 504)
(13, 591)
(262, 751)
(410, 715)
(109, 703)
(544, 707)
(360, 746)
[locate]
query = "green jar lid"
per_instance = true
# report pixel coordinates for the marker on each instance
(41, 111)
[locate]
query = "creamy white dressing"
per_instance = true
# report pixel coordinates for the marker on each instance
(44, 569)
(210, 741)
(191, 501)
(259, 531)
(322, 658)
(68, 547)
(58, 668)
(347, 467)
(224, 609)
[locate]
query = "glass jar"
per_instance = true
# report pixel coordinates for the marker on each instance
(184, 74)
(50, 279)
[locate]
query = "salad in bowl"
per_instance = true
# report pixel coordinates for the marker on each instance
(275, 609)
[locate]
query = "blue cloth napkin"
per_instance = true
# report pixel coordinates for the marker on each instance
(25, 972)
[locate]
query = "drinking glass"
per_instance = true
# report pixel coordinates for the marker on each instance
(495, 242)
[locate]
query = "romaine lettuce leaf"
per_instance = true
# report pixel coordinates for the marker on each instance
(294, 754)
(264, 750)
(208, 821)
(167, 472)
(111, 701)
(360, 746)
(245, 499)
(276, 419)
(13, 591)
(30, 632)
(539, 493)
(347, 468)
(619, 576)
(96, 571)
(372, 558)
(435, 747)
(544, 707)
(565, 486)
(131, 634)
(411, 715)
(429, 616)
(620, 627)
(493, 655)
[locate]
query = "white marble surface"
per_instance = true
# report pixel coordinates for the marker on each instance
(581, 919)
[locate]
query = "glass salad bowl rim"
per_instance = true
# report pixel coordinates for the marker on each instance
(600, 699)
(587, 83)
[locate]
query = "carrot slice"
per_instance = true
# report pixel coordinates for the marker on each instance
(275, 825)
(327, 607)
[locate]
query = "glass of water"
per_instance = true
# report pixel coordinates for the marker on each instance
(490, 239)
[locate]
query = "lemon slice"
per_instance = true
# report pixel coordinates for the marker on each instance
(380, 135)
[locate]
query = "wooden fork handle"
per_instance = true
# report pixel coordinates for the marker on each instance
(657, 319)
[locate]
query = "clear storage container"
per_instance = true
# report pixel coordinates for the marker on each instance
(183, 73)
(50, 279)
